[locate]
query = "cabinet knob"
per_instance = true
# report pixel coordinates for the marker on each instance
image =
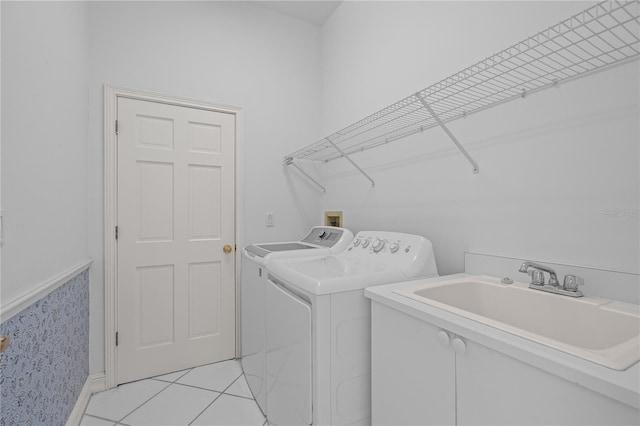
(443, 338)
(459, 346)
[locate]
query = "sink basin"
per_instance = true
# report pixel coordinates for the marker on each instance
(598, 330)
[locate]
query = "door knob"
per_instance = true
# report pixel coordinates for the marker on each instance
(227, 248)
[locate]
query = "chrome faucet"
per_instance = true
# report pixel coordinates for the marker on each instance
(536, 270)
(538, 278)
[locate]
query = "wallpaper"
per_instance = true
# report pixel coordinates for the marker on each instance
(47, 362)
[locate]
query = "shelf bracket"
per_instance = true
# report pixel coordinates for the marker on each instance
(444, 127)
(289, 162)
(373, 184)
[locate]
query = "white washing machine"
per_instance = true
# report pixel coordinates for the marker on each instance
(318, 353)
(321, 240)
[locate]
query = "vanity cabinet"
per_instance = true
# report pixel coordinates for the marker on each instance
(412, 374)
(425, 375)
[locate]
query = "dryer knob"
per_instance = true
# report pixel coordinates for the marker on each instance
(394, 247)
(356, 242)
(365, 243)
(378, 245)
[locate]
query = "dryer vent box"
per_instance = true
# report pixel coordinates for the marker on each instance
(333, 218)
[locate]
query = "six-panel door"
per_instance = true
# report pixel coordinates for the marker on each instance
(175, 285)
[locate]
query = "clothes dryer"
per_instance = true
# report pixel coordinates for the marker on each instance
(320, 240)
(318, 327)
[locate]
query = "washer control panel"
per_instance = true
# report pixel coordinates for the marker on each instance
(392, 249)
(327, 236)
(381, 243)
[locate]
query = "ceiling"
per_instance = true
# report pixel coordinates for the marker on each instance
(312, 11)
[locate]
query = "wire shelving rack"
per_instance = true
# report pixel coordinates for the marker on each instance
(602, 36)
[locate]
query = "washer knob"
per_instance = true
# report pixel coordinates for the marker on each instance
(356, 242)
(378, 245)
(394, 247)
(365, 243)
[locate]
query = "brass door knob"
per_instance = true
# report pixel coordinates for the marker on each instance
(227, 248)
(4, 344)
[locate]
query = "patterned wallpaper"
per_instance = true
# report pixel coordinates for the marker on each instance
(47, 362)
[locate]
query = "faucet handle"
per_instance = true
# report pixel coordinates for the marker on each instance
(537, 277)
(571, 282)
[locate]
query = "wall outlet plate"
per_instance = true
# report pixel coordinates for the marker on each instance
(333, 218)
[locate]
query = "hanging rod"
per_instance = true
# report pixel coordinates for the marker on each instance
(598, 38)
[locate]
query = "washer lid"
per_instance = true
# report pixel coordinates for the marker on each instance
(324, 239)
(261, 250)
(333, 274)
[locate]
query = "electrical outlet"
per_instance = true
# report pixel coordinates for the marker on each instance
(270, 220)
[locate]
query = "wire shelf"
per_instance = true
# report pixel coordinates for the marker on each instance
(600, 37)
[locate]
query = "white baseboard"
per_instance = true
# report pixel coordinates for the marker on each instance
(95, 383)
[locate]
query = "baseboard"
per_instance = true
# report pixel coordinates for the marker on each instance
(95, 383)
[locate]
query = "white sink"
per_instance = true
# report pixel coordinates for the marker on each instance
(599, 330)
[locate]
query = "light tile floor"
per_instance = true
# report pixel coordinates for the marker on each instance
(214, 394)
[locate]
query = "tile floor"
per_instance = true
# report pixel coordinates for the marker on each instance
(214, 394)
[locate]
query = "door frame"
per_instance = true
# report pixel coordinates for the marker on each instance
(111, 95)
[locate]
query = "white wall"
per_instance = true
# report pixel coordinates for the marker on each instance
(44, 133)
(224, 52)
(551, 165)
(1, 220)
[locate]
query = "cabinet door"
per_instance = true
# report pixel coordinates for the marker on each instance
(413, 375)
(496, 389)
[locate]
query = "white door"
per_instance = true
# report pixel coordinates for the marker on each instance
(175, 283)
